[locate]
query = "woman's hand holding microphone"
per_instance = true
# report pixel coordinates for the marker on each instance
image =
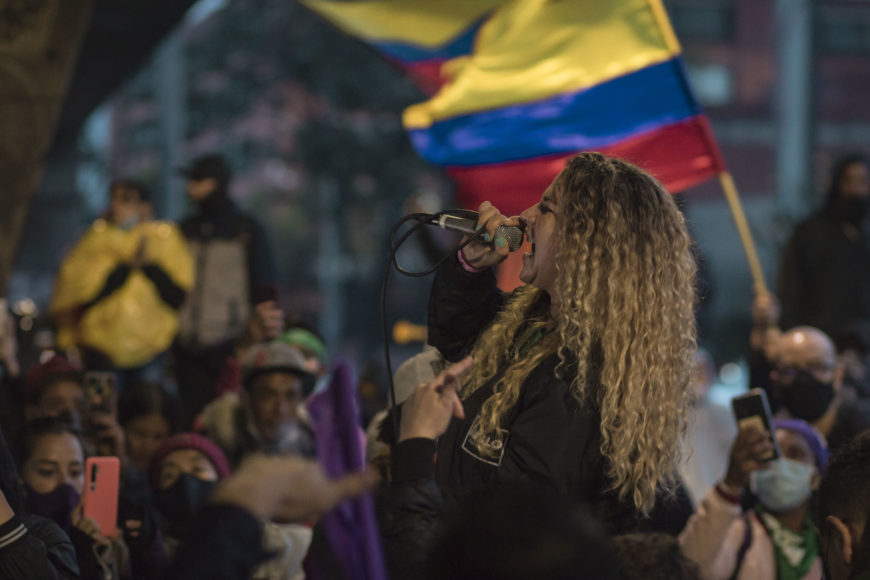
(492, 247)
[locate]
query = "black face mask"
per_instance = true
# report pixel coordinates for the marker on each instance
(56, 505)
(852, 209)
(806, 397)
(179, 502)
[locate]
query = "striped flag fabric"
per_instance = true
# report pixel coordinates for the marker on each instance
(519, 86)
(550, 78)
(418, 36)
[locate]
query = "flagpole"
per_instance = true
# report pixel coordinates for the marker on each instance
(743, 229)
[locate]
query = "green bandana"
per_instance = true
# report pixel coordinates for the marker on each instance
(795, 552)
(305, 339)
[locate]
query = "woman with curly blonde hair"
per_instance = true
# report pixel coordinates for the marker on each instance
(579, 377)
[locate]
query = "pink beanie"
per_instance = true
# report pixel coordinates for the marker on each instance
(189, 441)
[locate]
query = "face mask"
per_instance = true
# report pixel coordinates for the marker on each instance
(293, 439)
(782, 486)
(179, 502)
(852, 209)
(56, 505)
(129, 223)
(807, 397)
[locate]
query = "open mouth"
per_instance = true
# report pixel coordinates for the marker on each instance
(529, 239)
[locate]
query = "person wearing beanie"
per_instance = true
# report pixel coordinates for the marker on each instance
(184, 470)
(54, 388)
(267, 415)
(235, 271)
(309, 343)
(776, 537)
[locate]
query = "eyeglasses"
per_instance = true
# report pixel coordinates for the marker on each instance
(788, 373)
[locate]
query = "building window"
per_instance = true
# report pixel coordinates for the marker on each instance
(713, 84)
(844, 30)
(709, 22)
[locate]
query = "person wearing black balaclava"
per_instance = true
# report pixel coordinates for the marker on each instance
(824, 277)
(184, 471)
(234, 270)
(807, 382)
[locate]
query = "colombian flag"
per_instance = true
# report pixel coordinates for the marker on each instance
(550, 78)
(544, 80)
(418, 36)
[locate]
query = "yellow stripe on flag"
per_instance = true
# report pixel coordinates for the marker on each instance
(428, 23)
(530, 50)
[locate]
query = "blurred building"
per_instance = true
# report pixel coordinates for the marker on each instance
(738, 57)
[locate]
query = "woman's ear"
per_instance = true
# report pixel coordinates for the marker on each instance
(842, 537)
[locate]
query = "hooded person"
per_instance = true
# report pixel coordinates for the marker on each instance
(824, 277)
(234, 267)
(268, 415)
(776, 538)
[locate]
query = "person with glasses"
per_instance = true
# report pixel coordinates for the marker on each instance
(807, 381)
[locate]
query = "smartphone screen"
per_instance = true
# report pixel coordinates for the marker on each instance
(753, 409)
(102, 482)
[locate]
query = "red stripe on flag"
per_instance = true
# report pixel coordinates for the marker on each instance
(425, 74)
(679, 155)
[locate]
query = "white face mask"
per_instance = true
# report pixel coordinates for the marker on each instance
(129, 223)
(784, 485)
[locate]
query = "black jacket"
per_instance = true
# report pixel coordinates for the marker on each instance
(219, 218)
(35, 548)
(224, 543)
(549, 438)
(824, 278)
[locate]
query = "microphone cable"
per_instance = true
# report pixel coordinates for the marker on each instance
(421, 219)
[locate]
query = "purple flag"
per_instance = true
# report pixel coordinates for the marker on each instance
(351, 528)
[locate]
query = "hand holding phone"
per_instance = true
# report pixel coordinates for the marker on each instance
(100, 500)
(755, 445)
(100, 391)
(753, 410)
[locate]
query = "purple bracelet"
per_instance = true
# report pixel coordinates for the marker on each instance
(468, 267)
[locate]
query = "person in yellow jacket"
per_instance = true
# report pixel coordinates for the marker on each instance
(117, 293)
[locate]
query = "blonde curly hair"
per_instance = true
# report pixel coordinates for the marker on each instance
(625, 282)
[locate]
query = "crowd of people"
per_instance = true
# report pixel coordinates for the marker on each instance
(563, 430)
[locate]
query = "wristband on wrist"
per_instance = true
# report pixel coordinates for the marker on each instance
(727, 493)
(465, 265)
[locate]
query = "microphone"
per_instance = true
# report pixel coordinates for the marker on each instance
(468, 225)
